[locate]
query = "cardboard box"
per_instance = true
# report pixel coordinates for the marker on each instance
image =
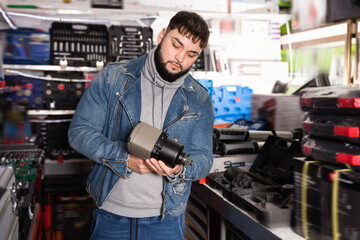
(282, 112)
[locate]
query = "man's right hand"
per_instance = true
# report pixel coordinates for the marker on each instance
(138, 165)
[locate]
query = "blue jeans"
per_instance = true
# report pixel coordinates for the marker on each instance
(108, 226)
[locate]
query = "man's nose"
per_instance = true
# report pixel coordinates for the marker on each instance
(180, 55)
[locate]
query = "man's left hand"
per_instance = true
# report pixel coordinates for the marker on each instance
(160, 168)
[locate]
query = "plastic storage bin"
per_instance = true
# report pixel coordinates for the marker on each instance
(231, 102)
(208, 84)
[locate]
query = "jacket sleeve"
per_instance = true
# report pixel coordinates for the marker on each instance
(200, 146)
(85, 133)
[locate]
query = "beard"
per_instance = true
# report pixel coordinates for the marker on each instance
(161, 67)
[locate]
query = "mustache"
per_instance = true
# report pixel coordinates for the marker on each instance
(177, 63)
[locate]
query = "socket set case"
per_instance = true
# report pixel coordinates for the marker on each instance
(29, 91)
(265, 190)
(331, 100)
(336, 152)
(341, 127)
(78, 44)
(63, 95)
(128, 42)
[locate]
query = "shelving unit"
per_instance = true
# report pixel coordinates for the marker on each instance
(48, 68)
(309, 45)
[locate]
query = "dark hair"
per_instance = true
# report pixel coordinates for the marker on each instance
(192, 23)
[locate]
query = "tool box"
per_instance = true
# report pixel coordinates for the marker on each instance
(29, 91)
(78, 44)
(331, 151)
(266, 189)
(348, 209)
(325, 200)
(331, 100)
(312, 198)
(339, 127)
(64, 93)
(27, 46)
(128, 42)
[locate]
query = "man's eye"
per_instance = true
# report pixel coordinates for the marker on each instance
(192, 55)
(175, 46)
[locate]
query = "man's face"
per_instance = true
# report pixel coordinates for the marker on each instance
(175, 54)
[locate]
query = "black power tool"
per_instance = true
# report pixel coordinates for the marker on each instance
(146, 142)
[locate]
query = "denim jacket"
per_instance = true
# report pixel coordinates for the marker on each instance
(109, 110)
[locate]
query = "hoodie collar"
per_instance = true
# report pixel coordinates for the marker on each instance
(132, 68)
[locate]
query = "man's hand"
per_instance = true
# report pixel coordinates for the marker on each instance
(160, 168)
(138, 165)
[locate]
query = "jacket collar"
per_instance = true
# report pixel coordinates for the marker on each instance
(133, 69)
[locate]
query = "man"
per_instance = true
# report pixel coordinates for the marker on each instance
(144, 198)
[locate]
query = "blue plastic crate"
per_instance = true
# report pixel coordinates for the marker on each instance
(232, 102)
(208, 84)
(230, 118)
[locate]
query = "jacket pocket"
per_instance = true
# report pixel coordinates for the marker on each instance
(179, 188)
(190, 116)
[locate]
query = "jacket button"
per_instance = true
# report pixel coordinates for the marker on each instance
(124, 69)
(191, 88)
(186, 107)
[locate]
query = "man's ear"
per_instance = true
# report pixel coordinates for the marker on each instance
(161, 35)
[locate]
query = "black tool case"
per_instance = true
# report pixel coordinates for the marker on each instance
(331, 100)
(79, 44)
(266, 189)
(313, 198)
(332, 151)
(340, 127)
(129, 42)
(348, 207)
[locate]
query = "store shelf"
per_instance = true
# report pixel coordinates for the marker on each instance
(80, 166)
(48, 68)
(313, 41)
(49, 112)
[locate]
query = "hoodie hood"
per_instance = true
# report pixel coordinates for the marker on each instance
(161, 93)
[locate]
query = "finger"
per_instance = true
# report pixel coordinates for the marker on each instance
(159, 167)
(165, 168)
(143, 168)
(154, 165)
(150, 165)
